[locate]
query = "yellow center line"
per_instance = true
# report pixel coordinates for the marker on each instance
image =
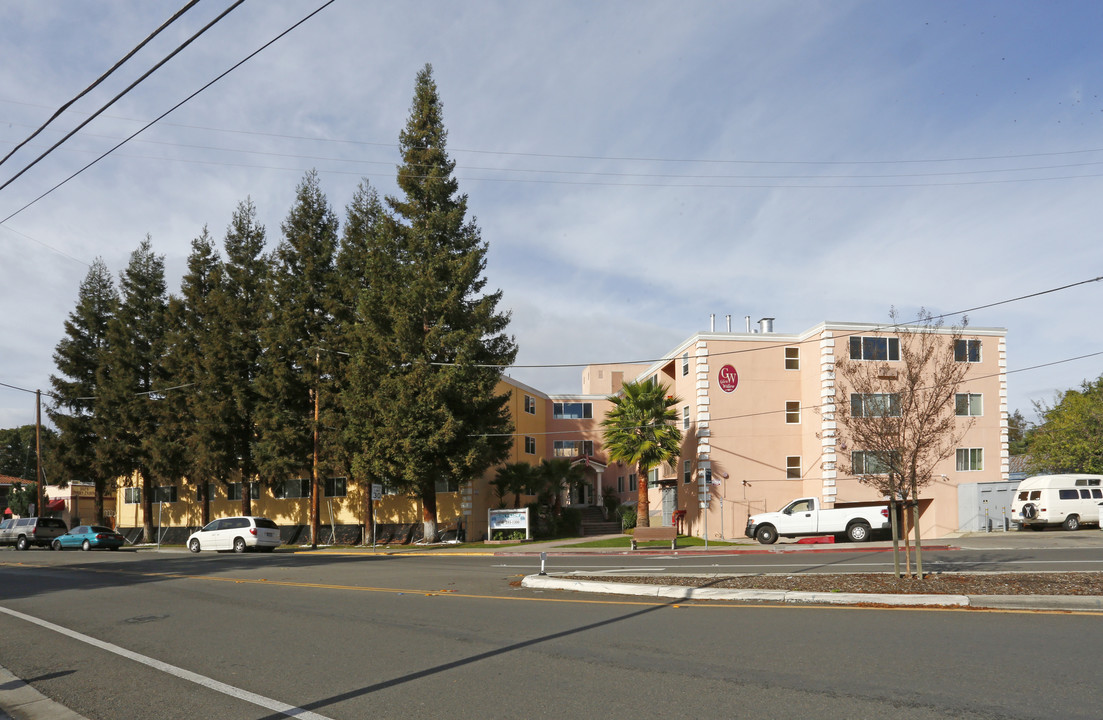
(702, 604)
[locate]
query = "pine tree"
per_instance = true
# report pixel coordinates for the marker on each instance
(364, 224)
(430, 344)
(241, 307)
(194, 418)
(126, 416)
(78, 358)
(296, 361)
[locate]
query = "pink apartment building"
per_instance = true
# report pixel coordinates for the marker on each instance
(757, 412)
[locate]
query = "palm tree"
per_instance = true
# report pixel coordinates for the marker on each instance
(560, 474)
(512, 478)
(640, 431)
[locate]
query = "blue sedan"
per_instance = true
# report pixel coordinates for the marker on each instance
(87, 537)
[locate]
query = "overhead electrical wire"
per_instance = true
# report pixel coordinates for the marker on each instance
(126, 90)
(173, 108)
(100, 79)
(616, 158)
(731, 352)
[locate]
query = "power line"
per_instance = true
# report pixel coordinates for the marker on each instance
(879, 328)
(626, 158)
(174, 107)
(126, 90)
(101, 78)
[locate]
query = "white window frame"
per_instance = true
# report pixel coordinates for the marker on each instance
(132, 496)
(792, 412)
(966, 347)
(685, 417)
(559, 410)
(892, 348)
(685, 364)
(530, 404)
(687, 471)
(969, 399)
(336, 487)
(792, 359)
(530, 445)
(874, 405)
(969, 459)
(793, 467)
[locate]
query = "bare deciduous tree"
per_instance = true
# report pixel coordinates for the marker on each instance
(896, 408)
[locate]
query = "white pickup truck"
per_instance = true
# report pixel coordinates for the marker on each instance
(804, 516)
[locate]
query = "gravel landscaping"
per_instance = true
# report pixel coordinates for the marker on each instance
(1027, 583)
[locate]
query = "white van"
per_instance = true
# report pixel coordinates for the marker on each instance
(1068, 500)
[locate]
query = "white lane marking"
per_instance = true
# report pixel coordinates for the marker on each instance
(266, 703)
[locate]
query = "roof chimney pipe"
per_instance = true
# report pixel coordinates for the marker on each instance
(766, 325)
(748, 319)
(729, 317)
(712, 322)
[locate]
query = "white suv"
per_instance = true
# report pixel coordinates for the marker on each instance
(236, 533)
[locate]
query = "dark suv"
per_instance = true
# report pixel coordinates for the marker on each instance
(24, 532)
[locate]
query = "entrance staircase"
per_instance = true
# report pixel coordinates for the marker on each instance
(594, 523)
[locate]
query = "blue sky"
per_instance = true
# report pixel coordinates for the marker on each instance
(634, 166)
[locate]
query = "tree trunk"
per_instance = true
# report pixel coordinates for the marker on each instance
(205, 507)
(147, 506)
(429, 513)
(246, 498)
(643, 510)
(97, 502)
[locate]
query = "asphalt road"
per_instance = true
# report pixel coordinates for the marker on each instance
(355, 636)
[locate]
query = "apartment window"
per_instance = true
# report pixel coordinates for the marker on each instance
(970, 459)
(792, 467)
(685, 364)
(792, 412)
(530, 405)
(291, 489)
(874, 348)
(792, 358)
(967, 350)
(653, 477)
(969, 404)
(233, 491)
(572, 411)
(872, 405)
(336, 487)
(869, 462)
(210, 493)
(445, 485)
(572, 448)
(164, 494)
(530, 445)
(632, 484)
(620, 483)
(687, 471)
(132, 496)
(685, 417)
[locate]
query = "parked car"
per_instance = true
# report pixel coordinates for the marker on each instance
(1069, 500)
(25, 532)
(236, 533)
(87, 537)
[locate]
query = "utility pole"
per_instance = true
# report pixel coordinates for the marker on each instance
(38, 451)
(315, 503)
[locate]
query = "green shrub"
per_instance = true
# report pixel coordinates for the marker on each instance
(627, 517)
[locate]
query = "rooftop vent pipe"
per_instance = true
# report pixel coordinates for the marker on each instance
(766, 325)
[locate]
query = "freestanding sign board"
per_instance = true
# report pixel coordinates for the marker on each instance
(508, 520)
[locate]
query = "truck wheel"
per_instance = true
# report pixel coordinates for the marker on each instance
(1030, 511)
(858, 532)
(766, 535)
(1072, 522)
(21, 543)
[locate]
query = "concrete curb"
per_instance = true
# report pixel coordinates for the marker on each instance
(678, 592)
(1067, 603)
(20, 701)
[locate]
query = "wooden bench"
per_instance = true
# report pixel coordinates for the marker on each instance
(643, 534)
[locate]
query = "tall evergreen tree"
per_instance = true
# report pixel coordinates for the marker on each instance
(194, 418)
(78, 357)
(241, 307)
(296, 360)
(126, 418)
(363, 227)
(430, 344)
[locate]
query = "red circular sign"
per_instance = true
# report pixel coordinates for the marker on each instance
(728, 378)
